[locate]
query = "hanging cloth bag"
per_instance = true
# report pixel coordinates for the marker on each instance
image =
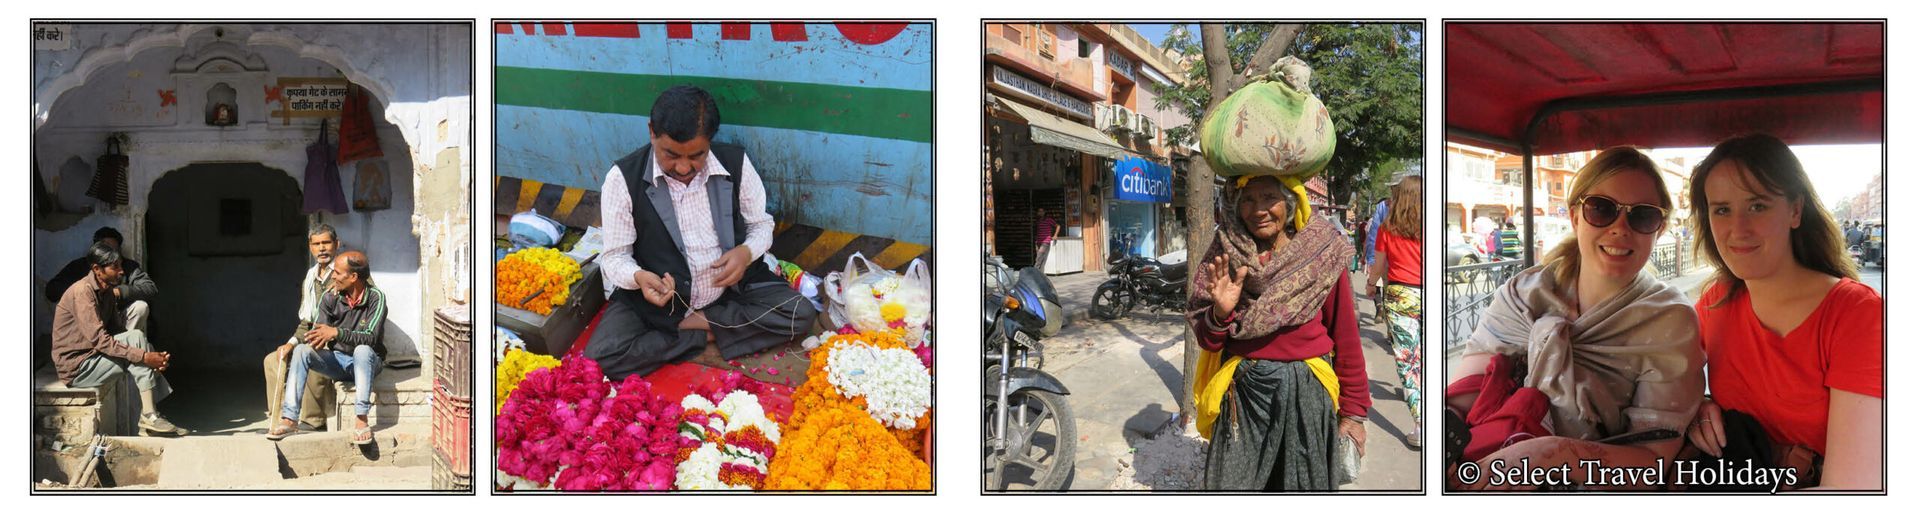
(371, 189)
(357, 140)
(110, 175)
(323, 191)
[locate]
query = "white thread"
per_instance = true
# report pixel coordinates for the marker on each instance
(793, 317)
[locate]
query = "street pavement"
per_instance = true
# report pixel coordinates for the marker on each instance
(1125, 376)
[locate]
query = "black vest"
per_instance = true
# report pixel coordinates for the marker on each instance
(657, 245)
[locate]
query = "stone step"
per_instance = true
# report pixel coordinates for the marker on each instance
(244, 460)
(312, 453)
(217, 462)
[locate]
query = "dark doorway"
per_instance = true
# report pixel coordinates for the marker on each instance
(225, 245)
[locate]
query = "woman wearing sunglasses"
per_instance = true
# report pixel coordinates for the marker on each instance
(1607, 355)
(1794, 341)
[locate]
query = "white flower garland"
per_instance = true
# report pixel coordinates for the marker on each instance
(897, 386)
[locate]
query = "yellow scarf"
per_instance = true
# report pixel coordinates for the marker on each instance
(1217, 376)
(1301, 210)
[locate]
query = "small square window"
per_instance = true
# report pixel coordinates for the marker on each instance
(236, 217)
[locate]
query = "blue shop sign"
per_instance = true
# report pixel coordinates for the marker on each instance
(1140, 180)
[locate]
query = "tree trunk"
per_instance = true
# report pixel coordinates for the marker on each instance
(1276, 46)
(1213, 40)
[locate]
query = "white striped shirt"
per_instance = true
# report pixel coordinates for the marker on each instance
(696, 225)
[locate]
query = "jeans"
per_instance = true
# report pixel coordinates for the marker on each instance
(364, 362)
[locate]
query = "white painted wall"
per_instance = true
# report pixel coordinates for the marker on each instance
(419, 75)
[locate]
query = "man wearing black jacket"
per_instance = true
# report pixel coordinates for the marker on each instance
(344, 345)
(133, 293)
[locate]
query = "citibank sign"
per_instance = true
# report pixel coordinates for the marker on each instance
(1140, 180)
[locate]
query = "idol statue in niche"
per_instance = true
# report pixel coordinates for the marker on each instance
(221, 116)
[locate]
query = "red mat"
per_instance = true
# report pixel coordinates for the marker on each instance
(679, 380)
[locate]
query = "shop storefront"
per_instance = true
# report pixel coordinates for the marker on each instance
(1140, 188)
(1044, 162)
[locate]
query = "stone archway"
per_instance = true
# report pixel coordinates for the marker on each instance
(228, 241)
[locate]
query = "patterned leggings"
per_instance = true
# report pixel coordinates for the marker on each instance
(1403, 329)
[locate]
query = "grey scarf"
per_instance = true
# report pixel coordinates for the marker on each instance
(1631, 363)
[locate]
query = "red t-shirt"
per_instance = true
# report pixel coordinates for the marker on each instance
(1403, 257)
(1783, 381)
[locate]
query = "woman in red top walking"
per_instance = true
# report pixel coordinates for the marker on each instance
(1273, 307)
(1398, 246)
(1793, 339)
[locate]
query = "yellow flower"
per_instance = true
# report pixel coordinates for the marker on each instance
(893, 312)
(513, 369)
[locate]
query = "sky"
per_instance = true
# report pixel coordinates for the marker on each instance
(1154, 32)
(1838, 171)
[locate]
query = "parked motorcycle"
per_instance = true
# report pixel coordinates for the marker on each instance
(1140, 281)
(1029, 428)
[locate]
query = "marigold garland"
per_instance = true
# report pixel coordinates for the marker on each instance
(831, 443)
(840, 448)
(538, 269)
(512, 370)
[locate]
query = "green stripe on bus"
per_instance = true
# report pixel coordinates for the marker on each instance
(904, 114)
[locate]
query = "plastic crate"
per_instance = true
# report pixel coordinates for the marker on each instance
(453, 349)
(448, 478)
(453, 429)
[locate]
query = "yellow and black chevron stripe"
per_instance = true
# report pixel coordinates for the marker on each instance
(815, 249)
(572, 206)
(819, 250)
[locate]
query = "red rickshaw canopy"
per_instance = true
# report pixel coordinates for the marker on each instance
(1567, 87)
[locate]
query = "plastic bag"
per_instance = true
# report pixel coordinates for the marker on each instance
(530, 229)
(1347, 463)
(1274, 126)
(589, 245)
(872, 299)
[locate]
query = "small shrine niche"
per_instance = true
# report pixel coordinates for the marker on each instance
(222, 106)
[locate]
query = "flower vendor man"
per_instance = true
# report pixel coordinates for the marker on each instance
(686, 223)
(344, 345)
(92, 345)
(322, 243)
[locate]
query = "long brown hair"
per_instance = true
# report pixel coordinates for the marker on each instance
(1565, 257)
(1403, 211)
(1772, 168)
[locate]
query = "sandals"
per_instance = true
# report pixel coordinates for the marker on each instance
(281, 430)
(363, 436)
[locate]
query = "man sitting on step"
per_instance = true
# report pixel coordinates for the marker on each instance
(92, 345)
(135, 289)
(344, 345)
(686, 223)
(322, 243)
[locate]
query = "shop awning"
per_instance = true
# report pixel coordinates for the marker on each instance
(1057, 131)
(1562, 87)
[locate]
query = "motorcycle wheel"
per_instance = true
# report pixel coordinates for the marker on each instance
(1110, 302)
(1040, 443)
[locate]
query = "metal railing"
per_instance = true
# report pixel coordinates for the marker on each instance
(1468, 291)
(1673, 259)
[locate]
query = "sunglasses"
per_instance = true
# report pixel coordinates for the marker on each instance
(1601, 211)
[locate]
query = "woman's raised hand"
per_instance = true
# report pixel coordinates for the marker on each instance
(1226, 285)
